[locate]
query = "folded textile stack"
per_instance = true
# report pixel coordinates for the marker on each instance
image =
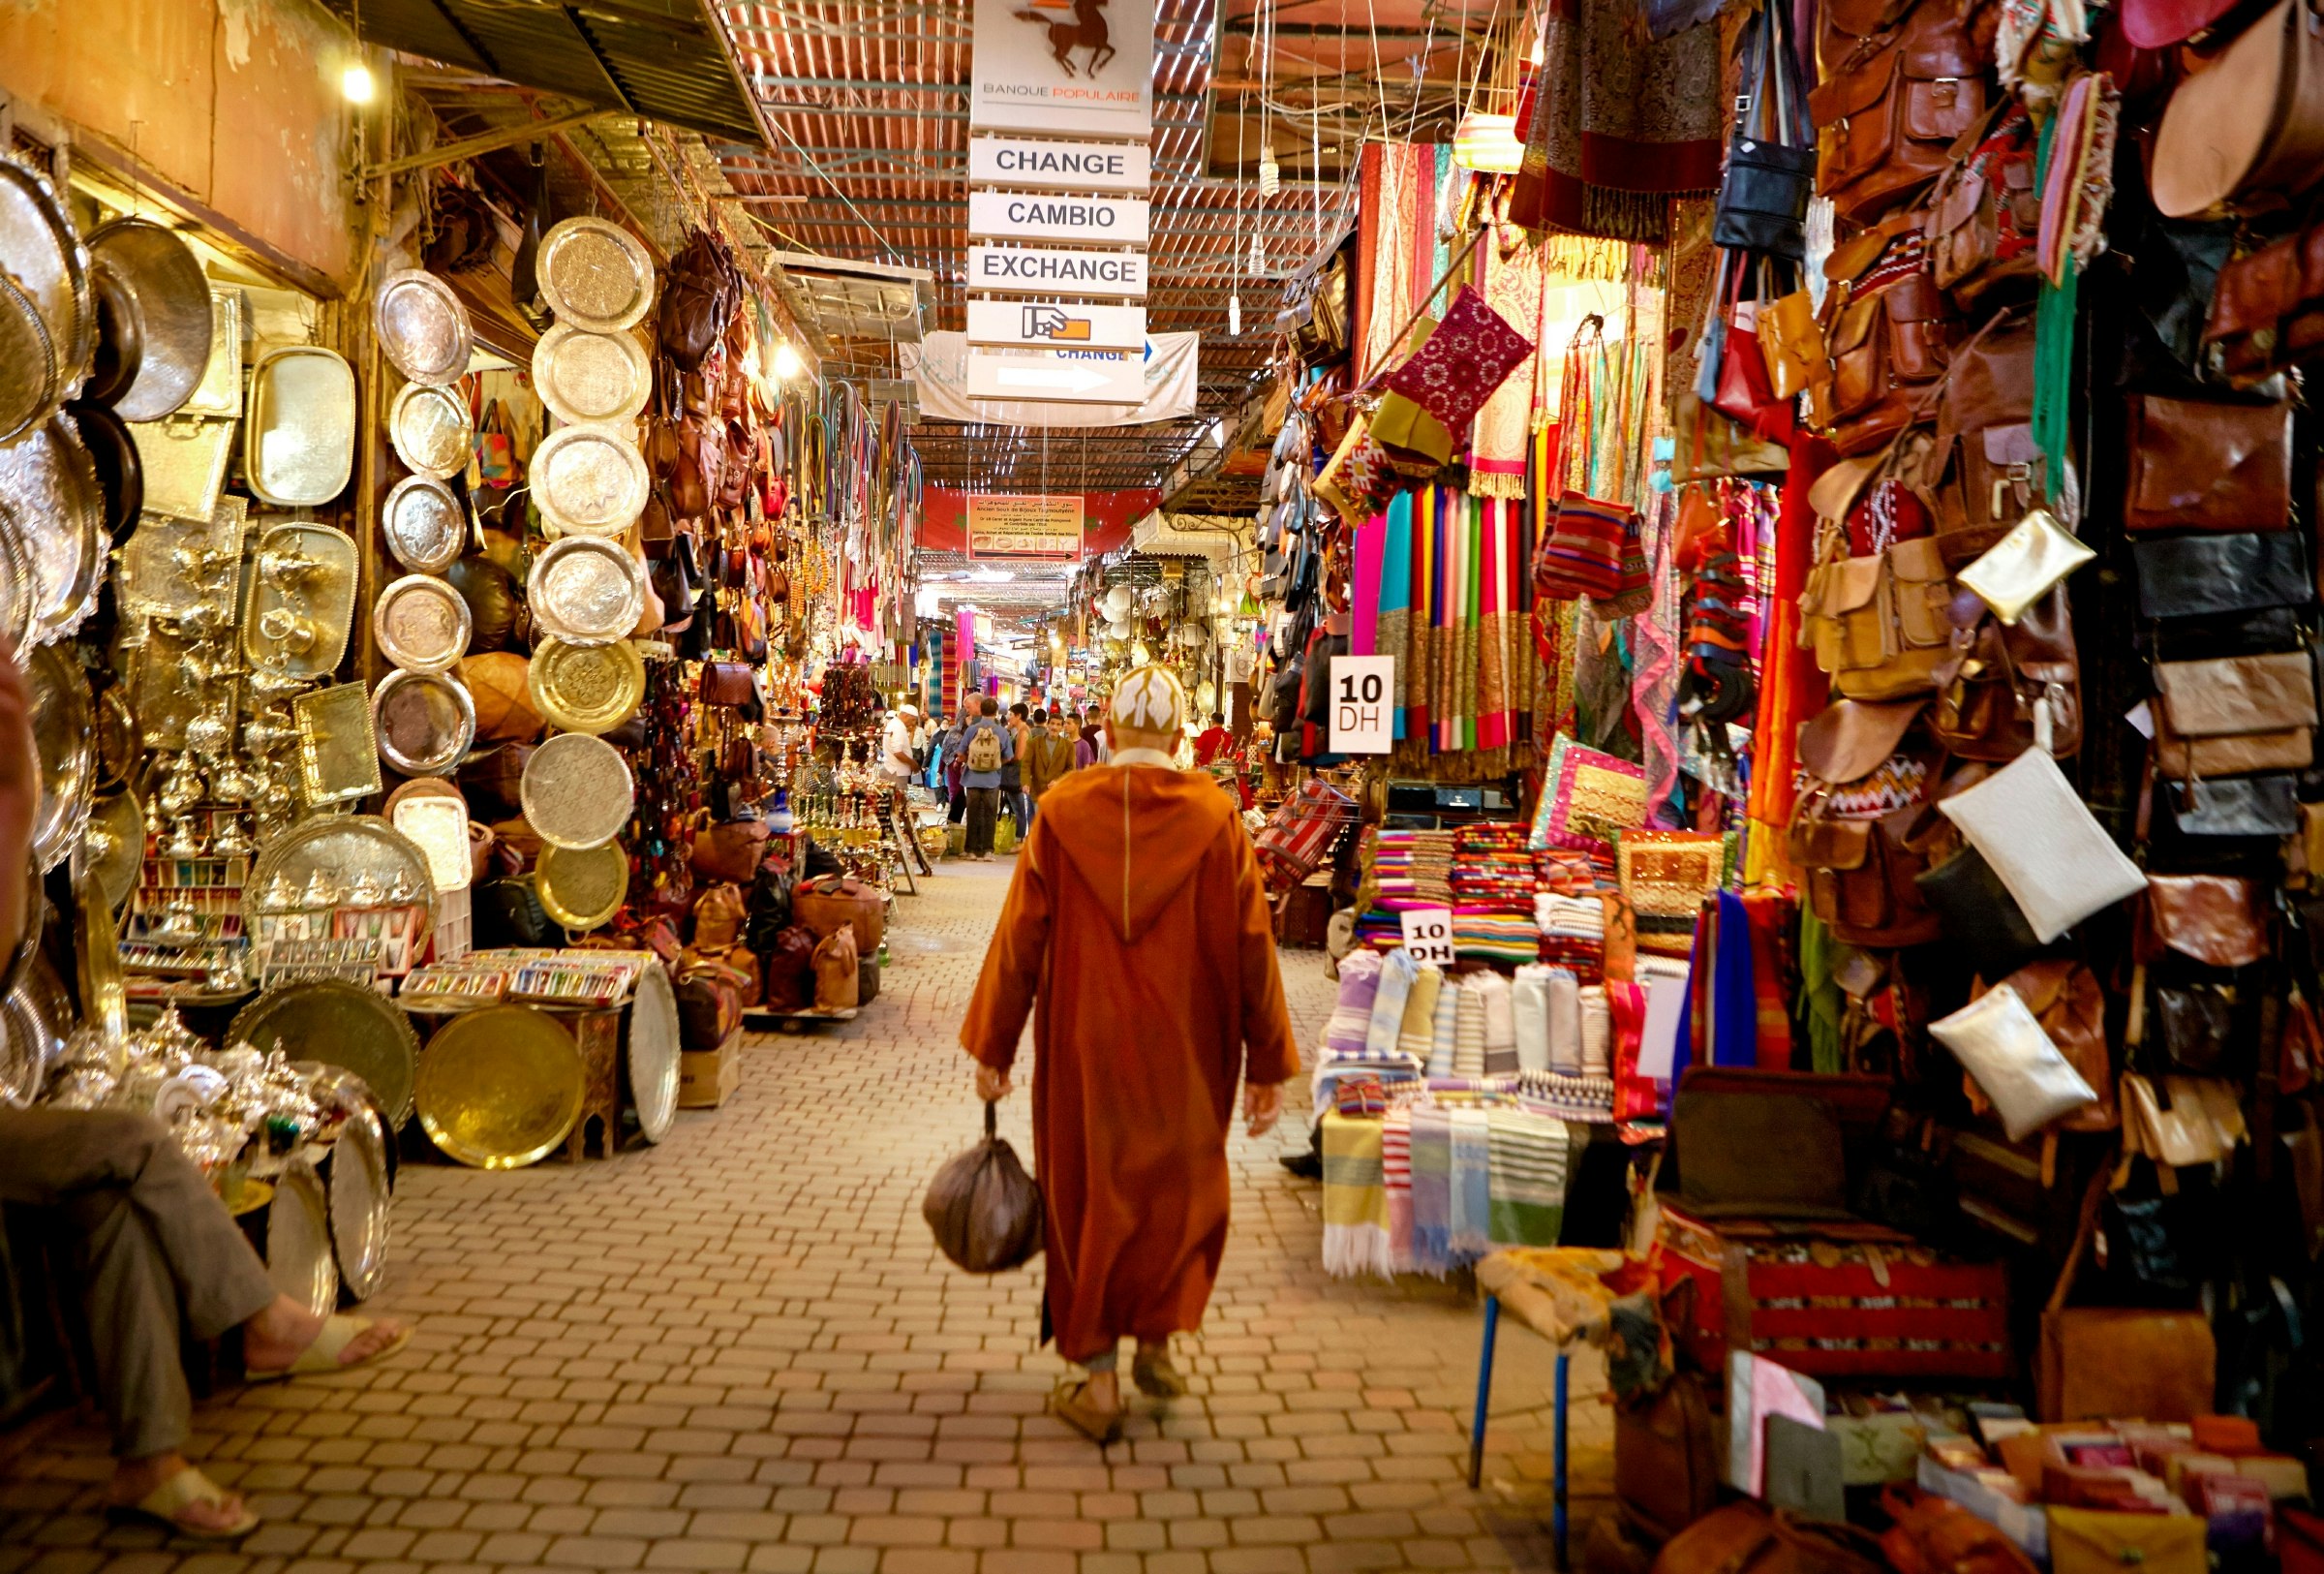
(1417, 1032)
(1573, 931)
(1468, 1031)
(1500, 1024)
(1569, 1096)
(1491, 863)
(1334, 1066)
(1495, 934)
(1413, 864)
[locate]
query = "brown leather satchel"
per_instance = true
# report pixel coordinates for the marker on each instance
(2248, 132)
(727, 683)
(2213, 919)
(1745, 1538)
(1881, 625)
(2234, 715)
(2267, 310)
(729, 852)
(1984, 212)
(2201, 464)
(832, 902)
(1666, 1468)
(2115, 1361)
(1860, 873)
(1886, 348)
(1990, 697)
(837, 975)
(1896, 94)
(2065, 999)
(1984, 480)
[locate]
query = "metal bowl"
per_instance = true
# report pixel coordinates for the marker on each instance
(172, 295)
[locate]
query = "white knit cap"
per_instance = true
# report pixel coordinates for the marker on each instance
(1151, 699)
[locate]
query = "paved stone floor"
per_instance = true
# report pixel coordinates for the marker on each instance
(740, 1350)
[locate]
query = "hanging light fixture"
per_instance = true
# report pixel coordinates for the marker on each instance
(787, 363)
(1487, 143)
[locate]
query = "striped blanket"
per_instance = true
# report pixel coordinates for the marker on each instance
(1529, 1167)
(1355, 1198)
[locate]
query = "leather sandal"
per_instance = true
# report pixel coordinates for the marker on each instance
(320, 1358)
(1156, 1376)
(165, 1505)
(1070, 1403)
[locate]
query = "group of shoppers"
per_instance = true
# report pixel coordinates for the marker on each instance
(998, 762)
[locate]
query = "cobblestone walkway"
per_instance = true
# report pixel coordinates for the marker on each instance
(740, 1352)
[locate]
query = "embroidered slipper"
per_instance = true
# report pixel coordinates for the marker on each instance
(1070, 1403)
(1157, 1377)
(339, 1331)
(165, 1505)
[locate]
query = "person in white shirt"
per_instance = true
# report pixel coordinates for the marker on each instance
(898, 751)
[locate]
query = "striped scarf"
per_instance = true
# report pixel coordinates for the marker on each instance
(1355, 1201)
(1529, 1169)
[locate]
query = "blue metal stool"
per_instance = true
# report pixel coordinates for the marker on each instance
(1557, 1447)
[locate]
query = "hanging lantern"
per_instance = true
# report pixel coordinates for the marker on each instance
(1487, 143)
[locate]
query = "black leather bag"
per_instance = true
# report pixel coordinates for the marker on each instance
(508, 913)
(1770, 174)
(2263, 631)
(2263, 806)
(2193, 1024)
(1980, 914)
(2188, 577)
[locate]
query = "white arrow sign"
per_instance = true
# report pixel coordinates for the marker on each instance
(1021, 161)
(1036, 270)
(1074, 377)
(1049, 326)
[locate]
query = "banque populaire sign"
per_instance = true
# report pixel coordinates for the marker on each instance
(1063, 68)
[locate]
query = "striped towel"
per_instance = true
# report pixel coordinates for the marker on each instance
(1468, 1033)
(1431, 1192)
(1352, 1014)
(1531, 1156)
(1565, 1021)
(1472, 1182)
(1529, 1011)
(1416, 1033)
(1500, 1024)
(1355, 1198)
(1396, 973)
(1395, 1168)
(1444, 1031)
(1597, 1033)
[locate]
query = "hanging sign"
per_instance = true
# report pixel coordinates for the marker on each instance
(1362, 704)
(1041, 324)
(1071, 67)
(1033, 270)
(1427, 931)
(1017, 161)
(1096, 221)
(939, 369)
(1024, 526)
(1098, 377)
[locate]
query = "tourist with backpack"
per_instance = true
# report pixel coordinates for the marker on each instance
(984, 747)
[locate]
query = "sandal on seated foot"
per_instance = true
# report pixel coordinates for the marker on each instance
(166, 1506)
(1070, 1403)
(339, 1331)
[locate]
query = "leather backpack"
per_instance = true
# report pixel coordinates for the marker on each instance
(696, 299)
(1899, 85)
(1990, 697)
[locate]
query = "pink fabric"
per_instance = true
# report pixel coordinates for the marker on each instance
(1363, 606)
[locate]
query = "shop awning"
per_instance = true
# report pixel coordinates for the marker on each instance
(665, 60)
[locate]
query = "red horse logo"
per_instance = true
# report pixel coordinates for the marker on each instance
(1087, 29)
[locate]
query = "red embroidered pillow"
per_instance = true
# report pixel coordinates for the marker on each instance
(1470, 354)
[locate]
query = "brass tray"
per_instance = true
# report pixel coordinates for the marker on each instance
(29, 383)
(590, 480)
(16, 587)
(425, 723)
(582, 888)
(596, 275)
(649, 1053)
(174, 322)
(422, 624)
(585, 590)
(423, 328)
(586, 687)
(577, 792)
(219, 391)
(584, 376)
(113, 844)
(44, 257)
(298, 1240)
(430, 430)
(499, 1088)
(338, 755)
(339, 1024)
(345, 849)
(97, 958)
(437, 823)
(302, 600)
(185, 460)
(298, 443)
(423, 524)
(51, 486)
(67, 751)
(359, 1182)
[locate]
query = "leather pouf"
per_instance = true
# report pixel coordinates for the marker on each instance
(833, 902)
(492, 602)
(496, 682)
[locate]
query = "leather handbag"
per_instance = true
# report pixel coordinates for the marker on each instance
(719, 916)
(1886, 348)
(2099, 1361)
(710, 1002)
(2192, 1025)
(2010, 688)
(2248, 131)
(1770, 174)
(2267, 311)
(698, 296)
(1985, 213)
(1895, 95)
(832, 901)
(1706, 445)
(2001, 1044)
(1986, 479)
(2202, 1122)
(2215, 919)
(2208, 575)
(1861, 873)
(2205, 464)
(727, 684)
(729, 852)
(1666, 1466)
(2235, 716)
(2044, 844)
(789, 969)
(2092, 1541)
(1746, 1538)
(837, 982)
(2066, 999)
(1929, 1535)
(1978, 914)
(2266, 806)
(1792, 343)
(1881, 625)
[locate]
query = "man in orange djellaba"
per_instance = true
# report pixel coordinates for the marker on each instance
(1137, 917)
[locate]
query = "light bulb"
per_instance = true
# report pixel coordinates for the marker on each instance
(787, 363)
(1234, 317)
(355, 83)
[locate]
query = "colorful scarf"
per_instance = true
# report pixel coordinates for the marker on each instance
(1354, 1201)
(1392, 629)
(1395, 1165)
(1472, 1182)
(1529, 1169)
(1514, 286)
(1431, 1192)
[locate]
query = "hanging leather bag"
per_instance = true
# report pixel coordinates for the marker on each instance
(2207, 464)
(1880, 626)
(2246, 132)
(2235, 716)
(1771, 158)
(2066, 999)
(2008, 681)
(1985, 213)
(1887, 348)
(2116, 1361)
(1897, 92)
(1861, 873)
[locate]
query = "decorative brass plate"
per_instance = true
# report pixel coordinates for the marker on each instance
(345, 851)
(650, 1054)
(422, 624)
(590, 480)
(49, 481)
(67, 754)
(423, 328)
(298, 1240)
(583, 888)
(586, 687)
(339, 1024)
(116, 842)
(45, 260)
(430, 430)
(584, 376)
(585, 590)
(596, 275)
(425, 721)
(174, 321)
(358, 1183)
(577, 792)
(437, 825)
(338, 757)
(501, 1087)
(423, 524)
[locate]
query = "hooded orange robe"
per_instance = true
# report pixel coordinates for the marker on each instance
(1139, 919)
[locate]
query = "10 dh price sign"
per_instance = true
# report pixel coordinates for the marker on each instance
(1364, 707)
